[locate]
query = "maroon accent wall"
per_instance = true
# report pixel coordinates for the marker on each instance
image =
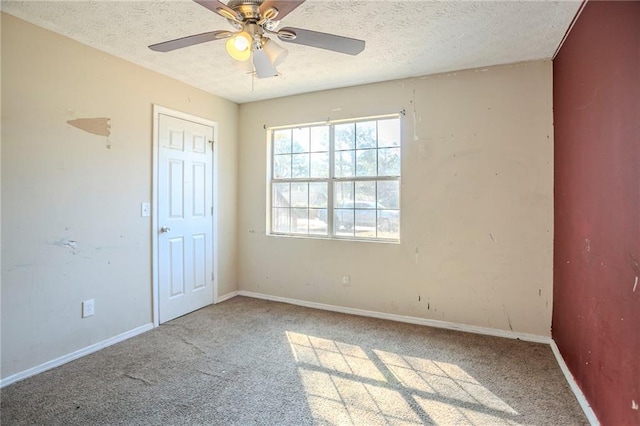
(596, 306)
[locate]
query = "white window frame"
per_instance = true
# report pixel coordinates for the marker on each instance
(330, 180)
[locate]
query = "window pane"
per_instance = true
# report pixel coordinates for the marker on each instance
(345, 164)
(300, 221)
(388, 224)
(389, 133)
(280, 220)
(365, 195)
(366, 162)
(366, 221)
(300, 194)
(389, 194)
(366, 232)
(343, 222)
(320, 139)
(282, 141)
(318, 194)
(281, 166)
(366, 134)
(389, 162)
(343, 195)
(345, 136)
(300, 165)
(320, 165)
(300, 140)
(281, 195)
(318, 221)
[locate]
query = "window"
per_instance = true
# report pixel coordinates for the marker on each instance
(338, 180)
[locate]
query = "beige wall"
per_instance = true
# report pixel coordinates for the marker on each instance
(476, 198)
(60, 184)
(477, 202)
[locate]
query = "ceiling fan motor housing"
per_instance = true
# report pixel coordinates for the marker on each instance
(249, 9)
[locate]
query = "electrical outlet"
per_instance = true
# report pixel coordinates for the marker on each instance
(346, 280)
(88, 308)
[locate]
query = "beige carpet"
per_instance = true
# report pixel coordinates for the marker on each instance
(253, 362)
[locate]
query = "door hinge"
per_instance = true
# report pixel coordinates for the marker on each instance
(212, 142)
(211, 211)
(212, 276)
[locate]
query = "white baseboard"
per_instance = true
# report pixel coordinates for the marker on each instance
(586, 407)
(227, 296)
(74, 355)
(402, 318)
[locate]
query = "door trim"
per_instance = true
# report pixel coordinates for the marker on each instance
(157, 111)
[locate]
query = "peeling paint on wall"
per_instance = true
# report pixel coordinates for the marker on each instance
(67, 244)
(100, 126)
(415, 118)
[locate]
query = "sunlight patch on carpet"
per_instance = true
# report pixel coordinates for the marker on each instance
(350, 384)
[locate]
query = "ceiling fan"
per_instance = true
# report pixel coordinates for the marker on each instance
(253, 20)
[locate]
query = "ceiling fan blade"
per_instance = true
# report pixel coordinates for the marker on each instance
(220, 8)
(179, 43)
(284, 7)
(262, 64)
(350, 46)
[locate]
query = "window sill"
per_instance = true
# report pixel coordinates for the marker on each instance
(326, 238)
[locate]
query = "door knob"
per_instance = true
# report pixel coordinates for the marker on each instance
(165, 229)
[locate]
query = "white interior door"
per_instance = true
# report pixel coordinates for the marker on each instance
(185, 216)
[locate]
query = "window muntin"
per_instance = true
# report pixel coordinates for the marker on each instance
(337, 180)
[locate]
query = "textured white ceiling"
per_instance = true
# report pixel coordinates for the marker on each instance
(404, 39)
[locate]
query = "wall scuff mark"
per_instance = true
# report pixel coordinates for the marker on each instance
(635, 285)
(634, 262)
(508, 317)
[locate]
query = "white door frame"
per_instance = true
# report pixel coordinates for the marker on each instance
(157, 111)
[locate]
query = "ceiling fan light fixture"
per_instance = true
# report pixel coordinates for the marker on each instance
(239, 46)
(275, 52)
(262, 63)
